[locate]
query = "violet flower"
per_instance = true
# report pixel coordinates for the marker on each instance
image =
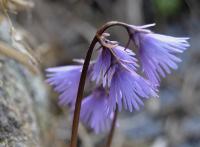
(128, 89)
(104, 67)
(66, 80)
(101, 67)
(94, 111)
(118, 69)
(116, 73)
(157, 53)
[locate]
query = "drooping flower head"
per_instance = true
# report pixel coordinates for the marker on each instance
(104, 66)
(94, 111)
(101, 67)
(128, 89)
(126, 86)
(118, 80)
(157, 53)
(66, 80)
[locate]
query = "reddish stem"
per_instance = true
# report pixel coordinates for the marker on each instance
(77, 110)
(80, 94)
(112, 130)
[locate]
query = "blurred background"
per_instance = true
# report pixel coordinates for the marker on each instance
(53, 32)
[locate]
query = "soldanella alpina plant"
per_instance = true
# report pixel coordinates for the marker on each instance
(123, 79)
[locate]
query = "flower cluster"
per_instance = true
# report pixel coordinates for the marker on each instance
(119, 82)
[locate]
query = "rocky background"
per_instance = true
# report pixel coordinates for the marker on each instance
(52, 32)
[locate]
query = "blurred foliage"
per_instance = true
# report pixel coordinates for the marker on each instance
(167, 7)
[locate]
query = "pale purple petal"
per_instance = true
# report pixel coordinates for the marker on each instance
(143, 28)
(65, 81)
(104, 67)
(127, 89)
(94, 111)
(157, 53)
(125, 57)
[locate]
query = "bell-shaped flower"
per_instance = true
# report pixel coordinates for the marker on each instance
(128, 89)
(157, 53)
(65, 80)
(94, 111)
(103, 68)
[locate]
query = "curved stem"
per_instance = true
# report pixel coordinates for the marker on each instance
(112, 130)
(74, 133)
(110, 24)
(77, 110)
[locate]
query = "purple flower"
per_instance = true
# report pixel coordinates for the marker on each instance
(157, 52)
(117, 77)
(117, 67)
(127, 89)
(103, 68)
(66, 80)
(94, 111)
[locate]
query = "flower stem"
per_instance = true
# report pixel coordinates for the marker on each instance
(112, 130)
(74, 133)
(77, 110)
